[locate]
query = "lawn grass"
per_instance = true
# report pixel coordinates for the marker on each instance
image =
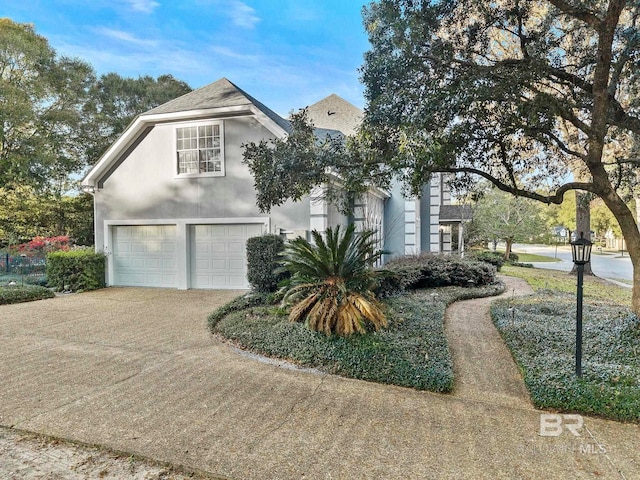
(532, 257)
(540, 331)
(594, 288)
(412, 352)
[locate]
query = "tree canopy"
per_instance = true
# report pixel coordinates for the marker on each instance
(43, 130)
(499, 216)
(57, 119)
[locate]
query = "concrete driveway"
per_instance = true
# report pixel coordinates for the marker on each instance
(135, 370)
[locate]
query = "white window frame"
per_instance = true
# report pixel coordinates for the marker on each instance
(201, 123)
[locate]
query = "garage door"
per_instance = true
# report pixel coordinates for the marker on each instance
(218, 255)
(144, 256)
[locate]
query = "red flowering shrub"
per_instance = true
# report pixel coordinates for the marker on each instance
(40, 246)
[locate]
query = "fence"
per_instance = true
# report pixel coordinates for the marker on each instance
(22, 266)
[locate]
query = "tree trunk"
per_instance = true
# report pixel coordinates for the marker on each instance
(583, 224)
(507, 250)
(626, 220)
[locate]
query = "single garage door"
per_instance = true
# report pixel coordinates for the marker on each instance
(144, 255)
(218, 255)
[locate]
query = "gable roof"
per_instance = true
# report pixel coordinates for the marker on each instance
(220, 94)
(335, 113)
(218, 99)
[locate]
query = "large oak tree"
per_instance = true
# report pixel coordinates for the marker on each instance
(538, 97)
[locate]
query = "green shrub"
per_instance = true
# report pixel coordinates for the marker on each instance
(262, 259)
(76, 270)
(494, 258)
(23, 293)
(429, 271)
(513, 257)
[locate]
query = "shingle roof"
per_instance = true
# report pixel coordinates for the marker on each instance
(219, 94)
(335, 113)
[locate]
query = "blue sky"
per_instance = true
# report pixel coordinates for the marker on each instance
(286, 53)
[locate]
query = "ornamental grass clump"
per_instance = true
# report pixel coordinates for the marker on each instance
(331, 282)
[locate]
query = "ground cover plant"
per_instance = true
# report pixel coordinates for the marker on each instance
(23, 293)
(411, 352)
(540, 331)
(594, 288)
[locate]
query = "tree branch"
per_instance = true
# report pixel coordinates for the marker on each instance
(580, 13)
(556, 198)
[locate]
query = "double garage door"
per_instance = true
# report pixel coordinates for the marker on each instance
(147, 255)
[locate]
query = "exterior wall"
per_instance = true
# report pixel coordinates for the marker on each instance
(425, 217)
(394, 223)
(146, 186)
(145, 190)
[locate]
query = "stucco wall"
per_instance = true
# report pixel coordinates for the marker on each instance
(146, 185)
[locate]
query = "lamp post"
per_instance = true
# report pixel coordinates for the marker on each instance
(581, 255)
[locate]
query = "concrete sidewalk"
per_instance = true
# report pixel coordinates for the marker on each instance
(135, 370)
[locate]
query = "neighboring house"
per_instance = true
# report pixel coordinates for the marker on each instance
(174, 204)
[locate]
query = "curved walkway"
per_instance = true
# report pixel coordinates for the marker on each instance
(483, 366)
(133, 370)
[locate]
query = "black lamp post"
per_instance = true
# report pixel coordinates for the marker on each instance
(581, 254)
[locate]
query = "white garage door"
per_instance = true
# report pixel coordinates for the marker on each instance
(218, 255)
(144, 256)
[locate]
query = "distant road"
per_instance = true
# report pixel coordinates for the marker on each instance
(612, 266)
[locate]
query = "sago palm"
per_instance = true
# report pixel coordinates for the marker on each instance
(331, 282)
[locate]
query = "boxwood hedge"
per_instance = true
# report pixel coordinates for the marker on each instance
(76, 270)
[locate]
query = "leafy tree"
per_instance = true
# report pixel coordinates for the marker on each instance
(26, 213)
(519, 93)
(501, 216)
(115, 101)
(42, 134)
(23, 215)
(602, 219)
(332, 281)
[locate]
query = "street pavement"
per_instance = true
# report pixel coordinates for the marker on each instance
(612, 266)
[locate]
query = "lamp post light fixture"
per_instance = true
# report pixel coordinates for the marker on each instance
(581, 255)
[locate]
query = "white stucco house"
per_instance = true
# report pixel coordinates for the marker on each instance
(174, 204)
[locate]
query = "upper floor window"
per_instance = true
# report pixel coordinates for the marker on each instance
(200, 150)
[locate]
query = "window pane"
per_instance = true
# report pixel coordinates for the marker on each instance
(199, 149)
(187, 162)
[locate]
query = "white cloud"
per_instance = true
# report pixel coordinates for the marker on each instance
(146, 6)
(243, 15)
(125, 37)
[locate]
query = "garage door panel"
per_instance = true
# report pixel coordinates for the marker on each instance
(145, 255)
(218, 255)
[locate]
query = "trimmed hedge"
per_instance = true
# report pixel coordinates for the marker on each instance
(494, 258)
(76, 270)
(430, 271)
(23, 293)
(263, 254)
